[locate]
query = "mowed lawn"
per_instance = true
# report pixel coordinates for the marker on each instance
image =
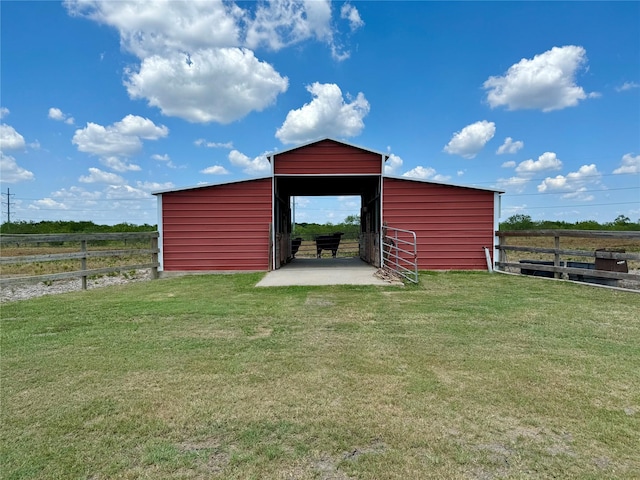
(467, 375)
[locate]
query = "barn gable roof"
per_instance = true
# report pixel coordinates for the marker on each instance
(271, 156)
(324, 139)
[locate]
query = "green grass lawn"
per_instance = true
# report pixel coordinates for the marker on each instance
(467, 375)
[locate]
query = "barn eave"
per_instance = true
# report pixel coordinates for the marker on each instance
(446, 184)
(208, 185)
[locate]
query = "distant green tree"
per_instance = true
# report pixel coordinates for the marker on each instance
(518, 222)
(622, 220)
(63, 226)
(352, 220)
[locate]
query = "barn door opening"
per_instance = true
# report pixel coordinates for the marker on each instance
(326, 225)
(306, 206)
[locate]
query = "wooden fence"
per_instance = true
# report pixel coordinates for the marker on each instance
(610, 261)
(82, 241)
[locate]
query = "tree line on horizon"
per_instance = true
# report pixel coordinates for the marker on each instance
(525, 222)
(350, 226)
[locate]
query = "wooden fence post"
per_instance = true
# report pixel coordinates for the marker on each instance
(154, 258)
(556, 256)
(83, 263)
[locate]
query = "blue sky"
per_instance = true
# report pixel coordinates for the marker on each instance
(103, 103)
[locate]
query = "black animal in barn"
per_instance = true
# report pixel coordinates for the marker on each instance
(295, 245)
(328, 242)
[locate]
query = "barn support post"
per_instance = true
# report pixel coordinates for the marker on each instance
(160, 235)
(271, 255)
(497, 207)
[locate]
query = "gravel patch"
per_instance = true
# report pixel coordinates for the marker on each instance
(32, 290)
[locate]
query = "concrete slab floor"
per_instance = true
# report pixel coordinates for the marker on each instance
(324, 271)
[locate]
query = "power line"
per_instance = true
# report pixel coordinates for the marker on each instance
(534, 179)
(567, 191)
(585, 205)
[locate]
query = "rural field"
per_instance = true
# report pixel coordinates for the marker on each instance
(466, 375)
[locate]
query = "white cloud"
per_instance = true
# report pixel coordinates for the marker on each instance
(425, 173)
(201, 142)
(350, 13)
(163, 158)
(215, 170)
(10, 139)
(119, 165)
(546, 161)
(509, 146)
(48, 204)
(98, 176)
(349, 202)
(134, 125)
(393, 163)
(196, 57)
(122, 139)
(630, 164)
(574, 185)
(58, 115)
(509, 164)
(282, 23)
(124, 192)
(11, 172)
(4, 112)
(149, 187)
(148, 28)
(546, 82)
(627, 86)
(221, 85)
(471, 139)
(512, 184)
(254, 166)
(76, 193)
(327, 115)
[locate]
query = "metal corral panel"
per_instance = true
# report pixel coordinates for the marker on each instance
(452, 224)
(328, 157)
(222, 227)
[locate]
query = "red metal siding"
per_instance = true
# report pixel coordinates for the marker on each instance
(452, 224)
(327, 157)
(223, 227)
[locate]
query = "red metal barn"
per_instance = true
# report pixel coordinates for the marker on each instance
(246, 225)
(216, 228)
(452, 224)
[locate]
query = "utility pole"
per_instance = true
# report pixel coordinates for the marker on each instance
(8, 203)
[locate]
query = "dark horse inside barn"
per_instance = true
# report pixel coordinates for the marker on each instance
(328, 242)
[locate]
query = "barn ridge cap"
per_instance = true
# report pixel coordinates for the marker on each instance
(323, 139)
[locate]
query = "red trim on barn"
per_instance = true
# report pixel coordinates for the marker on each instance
(222, 227)
(452, 224)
